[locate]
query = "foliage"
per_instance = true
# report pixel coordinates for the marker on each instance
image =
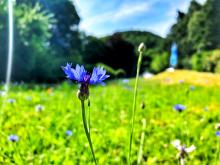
(196, 33)
(65, 37)
(206, 61)
(212, 35)
(160, 62)
(113, 51)
(31, 33)
(179, 31)
(3, 37)
(203, 25)
(197, 30)
(114, 73)
(94, 50)
(212, 63)
(198, 61)
(46, 36)
(151, 41)
(199, 27)
(65, 43)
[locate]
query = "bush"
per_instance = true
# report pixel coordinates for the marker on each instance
(198, 61)
(113, 72)
(159, 62)
(217, 68)
(114, 52)
(212, 63)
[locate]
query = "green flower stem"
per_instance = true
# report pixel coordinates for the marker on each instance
(134, 105)
(86, 130)
(89, 126)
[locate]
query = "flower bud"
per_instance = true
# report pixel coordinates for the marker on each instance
(142, 105)
(83, 92)
(141, 47)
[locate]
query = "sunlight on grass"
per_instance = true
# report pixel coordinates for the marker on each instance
(190, 77)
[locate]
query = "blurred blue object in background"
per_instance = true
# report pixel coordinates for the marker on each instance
(174, 55)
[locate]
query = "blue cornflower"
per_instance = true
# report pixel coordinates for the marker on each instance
(125, 81)
(217, 133)
(11, 101)
(80, 75)
(179, 107)
(39, 108)
(69, 133)
(13, 138)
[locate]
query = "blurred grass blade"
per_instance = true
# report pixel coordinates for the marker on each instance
(140, 154)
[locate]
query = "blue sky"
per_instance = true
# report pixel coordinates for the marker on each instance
(104, 17)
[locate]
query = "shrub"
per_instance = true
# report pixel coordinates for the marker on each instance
(159, 62)
(198, 61)
(217, 68)
(212, 63)
(111, 71)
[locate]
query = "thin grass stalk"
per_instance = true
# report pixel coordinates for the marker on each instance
(140, 154)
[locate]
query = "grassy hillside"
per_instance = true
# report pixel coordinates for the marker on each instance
(152, 41)
(136, 37)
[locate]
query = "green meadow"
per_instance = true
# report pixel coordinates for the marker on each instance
(42, 132)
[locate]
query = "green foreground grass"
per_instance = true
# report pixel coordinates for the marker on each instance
(42, 138)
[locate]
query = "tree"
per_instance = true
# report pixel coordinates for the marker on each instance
(46, 37)
(113, 51)
(65, 39)
(3, 39)
(31, 49)
(203, 27)
(196, 31)
(179, 33)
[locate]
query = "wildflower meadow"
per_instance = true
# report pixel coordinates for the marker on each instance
(43, 125)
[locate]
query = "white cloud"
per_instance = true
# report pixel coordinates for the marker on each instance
(94, 21)
(123, 12)
(161, 28)
(131, 10)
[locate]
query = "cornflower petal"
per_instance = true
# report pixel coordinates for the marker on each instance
(76, 74)
(98, 75)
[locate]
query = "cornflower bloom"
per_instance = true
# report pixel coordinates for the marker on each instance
(39, 108)
(81, 76)
(69, 133)
(179, 107)
(217, 133)
(13, 138)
